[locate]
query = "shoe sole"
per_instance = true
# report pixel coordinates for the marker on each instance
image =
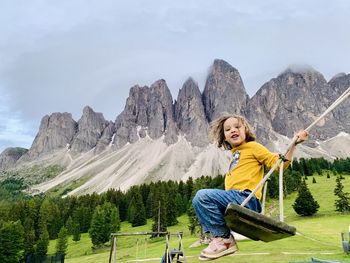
(226, 252)
(203, 258)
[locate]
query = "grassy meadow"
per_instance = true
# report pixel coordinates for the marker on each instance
(317, 236)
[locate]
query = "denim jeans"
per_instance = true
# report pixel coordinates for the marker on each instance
(210, 206)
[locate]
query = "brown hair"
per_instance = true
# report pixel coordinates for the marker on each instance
(217, 130)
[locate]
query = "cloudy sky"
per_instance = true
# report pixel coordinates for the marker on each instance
(58, 56)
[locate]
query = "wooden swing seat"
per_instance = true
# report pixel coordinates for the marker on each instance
(256, 226)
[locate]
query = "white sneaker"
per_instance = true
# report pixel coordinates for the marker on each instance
(220, 247)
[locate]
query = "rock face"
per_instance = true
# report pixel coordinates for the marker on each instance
(148, 111)
(283, 105)
(10, 156)
(56, 131)
(106, 138)
(292, 101)
(90, 129)
(224, 91)
(190, 115)
(341, 114)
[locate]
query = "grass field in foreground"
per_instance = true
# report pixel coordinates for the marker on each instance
(318, 236)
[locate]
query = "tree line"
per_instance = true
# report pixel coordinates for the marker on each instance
(34, 220)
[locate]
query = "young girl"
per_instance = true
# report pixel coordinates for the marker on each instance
(246, 170)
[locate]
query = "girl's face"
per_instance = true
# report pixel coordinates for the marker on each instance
(234, 132)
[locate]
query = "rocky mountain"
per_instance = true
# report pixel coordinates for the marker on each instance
(190, 115)
(90, 128)
(10, 156)
(56, 131)
(155, 138)
(224, 91)
(294, 100)
(148, 112)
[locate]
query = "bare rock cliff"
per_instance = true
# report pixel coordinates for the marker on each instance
(292, 101)
(148, 111)
(10, 156)
(90, 129)
(224, 91)
(56, 131)
(190, 115)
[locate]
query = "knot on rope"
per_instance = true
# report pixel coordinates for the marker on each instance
(283, 158)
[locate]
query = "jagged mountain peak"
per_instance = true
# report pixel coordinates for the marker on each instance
(294, 100)
(189, 88)
(148, 112)
(224, 91)
(337, 76)
(222, 66)
(174, 134)
(56, 131)
(301, 76)
(189, 114)
(90, 129)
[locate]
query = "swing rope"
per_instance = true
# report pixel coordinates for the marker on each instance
(281, 160)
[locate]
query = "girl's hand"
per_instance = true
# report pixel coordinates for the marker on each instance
(302, 136)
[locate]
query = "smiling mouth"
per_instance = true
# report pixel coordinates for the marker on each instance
(234, 136)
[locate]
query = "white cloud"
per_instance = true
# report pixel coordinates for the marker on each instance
(61, 56)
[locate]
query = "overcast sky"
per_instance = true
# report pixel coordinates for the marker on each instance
(58, 56)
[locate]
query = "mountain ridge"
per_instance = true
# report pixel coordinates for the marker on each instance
(280, 107)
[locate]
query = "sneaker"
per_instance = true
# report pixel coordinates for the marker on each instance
(219, 247)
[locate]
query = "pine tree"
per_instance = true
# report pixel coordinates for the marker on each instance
(189, 188)
(43, 242)
(69, 225)
(193, 220)
(105, 220)
(171, 207)
(192, 217)
(304, 204)
(11, 241)
(29, 237)
(62, 241)
(131, 210)
(342, 204)
(149, 205)
(180, 205)
(76, 231)
(159, 210)
(313, 180)
(292, 181)
(83, 216)
(139, 218)
(50, 217)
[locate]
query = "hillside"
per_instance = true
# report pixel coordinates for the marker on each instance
(318, 236)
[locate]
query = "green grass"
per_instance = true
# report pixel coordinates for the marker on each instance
(318, 236)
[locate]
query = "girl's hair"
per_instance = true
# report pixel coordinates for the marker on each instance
(217, 130)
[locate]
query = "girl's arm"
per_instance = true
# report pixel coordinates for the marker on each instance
(302, 136)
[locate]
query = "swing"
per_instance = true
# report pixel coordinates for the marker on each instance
(113, 251)
(170, 256)
(258, 226)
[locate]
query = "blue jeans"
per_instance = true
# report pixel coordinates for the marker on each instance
(210, 206)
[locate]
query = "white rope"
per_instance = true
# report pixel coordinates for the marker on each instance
(280, 183)
(263, 199)
(340, 99)
(335, 104)
(261, 183)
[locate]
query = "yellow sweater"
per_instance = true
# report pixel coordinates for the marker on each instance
(247, 166)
